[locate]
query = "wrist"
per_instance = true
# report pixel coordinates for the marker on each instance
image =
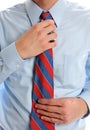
(21, 50)
(85, 108)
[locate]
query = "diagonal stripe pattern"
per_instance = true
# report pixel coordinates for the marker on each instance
(43, 86)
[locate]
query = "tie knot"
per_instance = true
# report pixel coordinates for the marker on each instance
(45, 16)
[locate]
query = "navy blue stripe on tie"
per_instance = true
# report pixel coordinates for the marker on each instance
(47, 54)
(41, 88)
(43, 84)
(46, 74)
(39, 122)
(48, 16)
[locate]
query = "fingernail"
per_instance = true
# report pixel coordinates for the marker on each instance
(37, 111)
(38, 100)
(42, 117)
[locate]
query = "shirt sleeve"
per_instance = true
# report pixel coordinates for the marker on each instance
(85, 94)
(10, 61)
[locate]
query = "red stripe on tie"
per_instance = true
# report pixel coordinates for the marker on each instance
(37, 91)
(49, 125)
(44, 81)
(50, 52)
(47, 64)
(34, 125)
(44, 15)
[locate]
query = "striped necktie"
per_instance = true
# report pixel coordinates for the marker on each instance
(43, 86)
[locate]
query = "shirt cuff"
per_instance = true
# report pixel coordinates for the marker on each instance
(11, 57)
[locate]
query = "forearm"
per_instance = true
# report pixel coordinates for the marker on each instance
(10, 61)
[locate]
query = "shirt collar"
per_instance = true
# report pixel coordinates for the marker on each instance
(34, 11)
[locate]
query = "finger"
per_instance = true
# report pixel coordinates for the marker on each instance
(53, 120)
(50, 101)
(52, 44)
(45, 23)
(46, 32)
(49, 108)
(49, 29)
(50, 114)
(52, 36)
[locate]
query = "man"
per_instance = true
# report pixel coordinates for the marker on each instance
(22, 38)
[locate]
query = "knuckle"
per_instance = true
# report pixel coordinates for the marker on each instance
(56, 34)
(49, 109)
(51, 120)
(54, 27)
(49, 101)
(46, 108)
(58, 116)
(52, 115)
(40, 33)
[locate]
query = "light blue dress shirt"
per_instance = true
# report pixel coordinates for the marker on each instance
(71, 79)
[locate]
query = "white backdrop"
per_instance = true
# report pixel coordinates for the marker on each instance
(8, 3)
